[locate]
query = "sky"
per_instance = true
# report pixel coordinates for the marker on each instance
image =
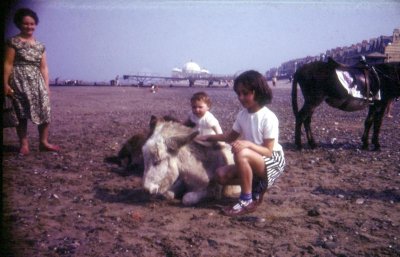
(96, 40)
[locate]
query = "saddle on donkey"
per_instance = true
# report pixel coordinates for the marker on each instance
(361, 82)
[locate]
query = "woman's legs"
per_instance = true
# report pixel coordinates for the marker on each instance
(44, 144)
(22, 132)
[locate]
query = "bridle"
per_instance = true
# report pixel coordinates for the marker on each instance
(396, 79)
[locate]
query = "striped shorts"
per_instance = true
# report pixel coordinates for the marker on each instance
(274, 166)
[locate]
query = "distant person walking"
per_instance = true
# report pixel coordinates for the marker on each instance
(274, 80)
(26, 79)
(117, 81)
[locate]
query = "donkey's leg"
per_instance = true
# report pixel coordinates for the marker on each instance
(192, 198)
(367, 126)
(297, 130)
(307, 127)
(196, 183)
(309, 109)
(177, 189)
(380, 113)
(303, 116)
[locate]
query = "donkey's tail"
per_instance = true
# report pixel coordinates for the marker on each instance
(294, 95)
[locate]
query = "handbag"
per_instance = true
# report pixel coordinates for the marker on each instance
(9, 116)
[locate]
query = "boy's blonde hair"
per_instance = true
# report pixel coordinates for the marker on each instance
(201, 96)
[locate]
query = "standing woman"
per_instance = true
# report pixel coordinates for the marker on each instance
(26, 79)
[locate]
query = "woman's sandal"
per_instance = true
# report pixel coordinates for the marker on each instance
(240, 209)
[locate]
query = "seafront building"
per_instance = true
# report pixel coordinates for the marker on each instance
(376, 50)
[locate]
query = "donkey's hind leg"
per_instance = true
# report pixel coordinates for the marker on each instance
(307, 127)
(309, 108)
(301, 118)
(304, 116)
(297, 130)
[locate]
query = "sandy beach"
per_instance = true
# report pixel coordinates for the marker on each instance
(336, 200)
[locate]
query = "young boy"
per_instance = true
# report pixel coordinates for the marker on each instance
(200, 117)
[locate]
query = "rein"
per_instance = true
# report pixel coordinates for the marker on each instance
(396, 79)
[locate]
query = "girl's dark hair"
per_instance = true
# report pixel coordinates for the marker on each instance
(23, 12)
(253, 81)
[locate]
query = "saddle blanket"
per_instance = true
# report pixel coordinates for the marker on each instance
(353, 89)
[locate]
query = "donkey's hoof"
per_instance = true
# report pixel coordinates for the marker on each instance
(298, 146)
(377, 149)
(313, 145)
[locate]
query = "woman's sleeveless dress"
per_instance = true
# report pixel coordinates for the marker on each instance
(31, 97)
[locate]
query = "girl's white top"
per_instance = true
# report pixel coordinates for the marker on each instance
(256, 127)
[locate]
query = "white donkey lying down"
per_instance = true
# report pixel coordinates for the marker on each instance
(172, 157)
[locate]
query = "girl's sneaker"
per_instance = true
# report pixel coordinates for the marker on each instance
(241, 208)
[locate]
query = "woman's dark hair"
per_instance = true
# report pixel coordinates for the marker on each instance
(253, 81)
(23, 12)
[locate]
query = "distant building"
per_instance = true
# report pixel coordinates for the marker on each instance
(189, 69)
(376, 50)
(392, 50)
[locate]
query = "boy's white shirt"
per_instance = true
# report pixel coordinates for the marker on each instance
(206, 123)
(256, 127)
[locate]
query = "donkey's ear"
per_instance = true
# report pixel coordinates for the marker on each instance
(153, 119)
(153, 122)
(174, 143)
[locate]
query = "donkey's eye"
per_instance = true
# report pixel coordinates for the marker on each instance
(156, 162)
